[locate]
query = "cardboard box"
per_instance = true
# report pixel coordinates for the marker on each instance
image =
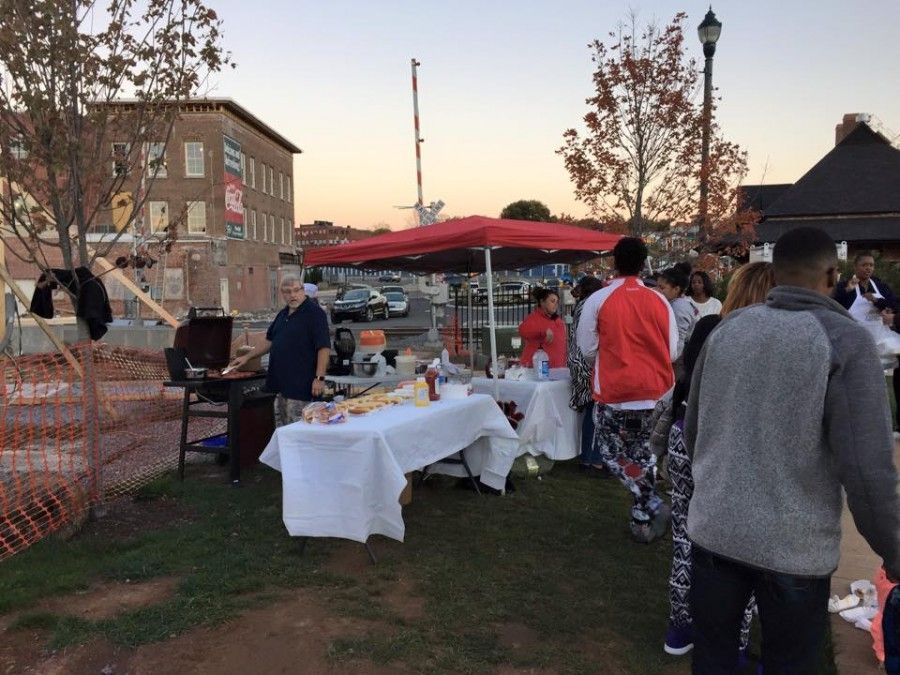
(406, 495)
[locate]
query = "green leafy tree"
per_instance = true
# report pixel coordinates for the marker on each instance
(527, 209)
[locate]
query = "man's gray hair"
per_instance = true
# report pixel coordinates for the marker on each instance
(290, 279)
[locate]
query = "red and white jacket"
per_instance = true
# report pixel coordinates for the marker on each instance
(629, 331)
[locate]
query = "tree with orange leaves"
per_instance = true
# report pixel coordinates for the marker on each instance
(639, 158)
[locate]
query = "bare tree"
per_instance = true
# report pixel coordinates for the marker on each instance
(89, 94)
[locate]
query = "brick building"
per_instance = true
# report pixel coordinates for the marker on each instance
(225, 180)
(326, 233)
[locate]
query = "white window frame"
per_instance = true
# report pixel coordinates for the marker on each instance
(284, 239)
(290, 198)
(116, 152)
(194, 209)
(252, 233)
(188, 160)
(159, 220)
(271, 181)
(281, 186)
(253, 173)
(17, 147)
(265, 227)
(243, 168)
(262, 166)
(161, 170)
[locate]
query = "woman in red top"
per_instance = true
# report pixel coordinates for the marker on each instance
(544, 328)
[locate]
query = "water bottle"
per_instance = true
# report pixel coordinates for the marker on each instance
(541, 363)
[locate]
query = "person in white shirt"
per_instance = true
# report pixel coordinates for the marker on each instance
(700, 295)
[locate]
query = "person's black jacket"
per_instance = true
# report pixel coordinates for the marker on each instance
(92, 305)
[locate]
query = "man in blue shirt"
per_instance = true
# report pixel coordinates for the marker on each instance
(298, 344)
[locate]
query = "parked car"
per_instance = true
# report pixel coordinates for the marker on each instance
(398, 304)
(454, 280)
(384, 290)
(513, 291)
(389, 278)
(349, 287)
(360, 304)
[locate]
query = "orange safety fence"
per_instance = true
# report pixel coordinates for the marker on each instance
(68, 442)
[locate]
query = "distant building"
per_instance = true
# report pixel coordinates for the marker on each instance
(853, 192)
(226, 179)
(325, 233)
(321, 233)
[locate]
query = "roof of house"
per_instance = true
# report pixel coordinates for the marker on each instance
(861, 174)
(230, 105)
(853, 193)
(865, 228)
(760, 197)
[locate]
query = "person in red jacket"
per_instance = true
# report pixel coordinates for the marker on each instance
(544, 328)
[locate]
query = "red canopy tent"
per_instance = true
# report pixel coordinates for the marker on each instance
(459, 246)
(473, 244)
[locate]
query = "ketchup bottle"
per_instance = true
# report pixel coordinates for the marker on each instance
(431, 376)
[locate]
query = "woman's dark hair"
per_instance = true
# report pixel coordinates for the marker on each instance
(588, 286)
(540, 293)
(863, 254)
(708, 288)
(678, 275)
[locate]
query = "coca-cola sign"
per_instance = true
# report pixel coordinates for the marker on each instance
(234, 190)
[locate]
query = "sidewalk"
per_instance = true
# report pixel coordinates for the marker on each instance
(853, 647)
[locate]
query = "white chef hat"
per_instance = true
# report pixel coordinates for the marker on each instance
(311, 290)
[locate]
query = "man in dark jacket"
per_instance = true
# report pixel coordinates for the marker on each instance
(766, 510)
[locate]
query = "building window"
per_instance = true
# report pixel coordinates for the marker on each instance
(243, 168)
(156, 160)
(196, 217)
(252, 233)
(280, 185)
(193, 160)
(265, 225)
(159, 215)
(272, 227)
(289, 197)
(253, 173)
(271, 181)
(120, 159)
(262, 168)
(284, 235)
(17, 147)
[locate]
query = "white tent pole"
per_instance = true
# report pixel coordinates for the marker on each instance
(493, 321)
(469, 323)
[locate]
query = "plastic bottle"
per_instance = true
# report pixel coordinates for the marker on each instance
(541, 363)
(431, 378)
(421, 392)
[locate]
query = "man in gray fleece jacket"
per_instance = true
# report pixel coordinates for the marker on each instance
(787, 404)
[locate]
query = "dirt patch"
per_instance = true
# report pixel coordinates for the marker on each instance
(349, 559)
(108, 600)
(126, 517)
(292, 636)
(401, 598)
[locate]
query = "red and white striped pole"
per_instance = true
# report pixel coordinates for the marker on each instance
(415, 88)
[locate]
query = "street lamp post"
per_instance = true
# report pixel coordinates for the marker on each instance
(708, 30)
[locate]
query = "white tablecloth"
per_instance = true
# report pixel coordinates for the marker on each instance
(345, 480)
(550, 426)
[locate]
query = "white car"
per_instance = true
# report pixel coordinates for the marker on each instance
(398, 303)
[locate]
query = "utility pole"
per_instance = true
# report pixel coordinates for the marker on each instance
(419, 139)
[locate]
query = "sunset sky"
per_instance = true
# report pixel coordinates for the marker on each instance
(501, 81)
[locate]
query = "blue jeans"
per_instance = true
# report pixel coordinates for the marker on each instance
(589, 455)
(793, 613)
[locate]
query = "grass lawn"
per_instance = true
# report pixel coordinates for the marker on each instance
(552, 562)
